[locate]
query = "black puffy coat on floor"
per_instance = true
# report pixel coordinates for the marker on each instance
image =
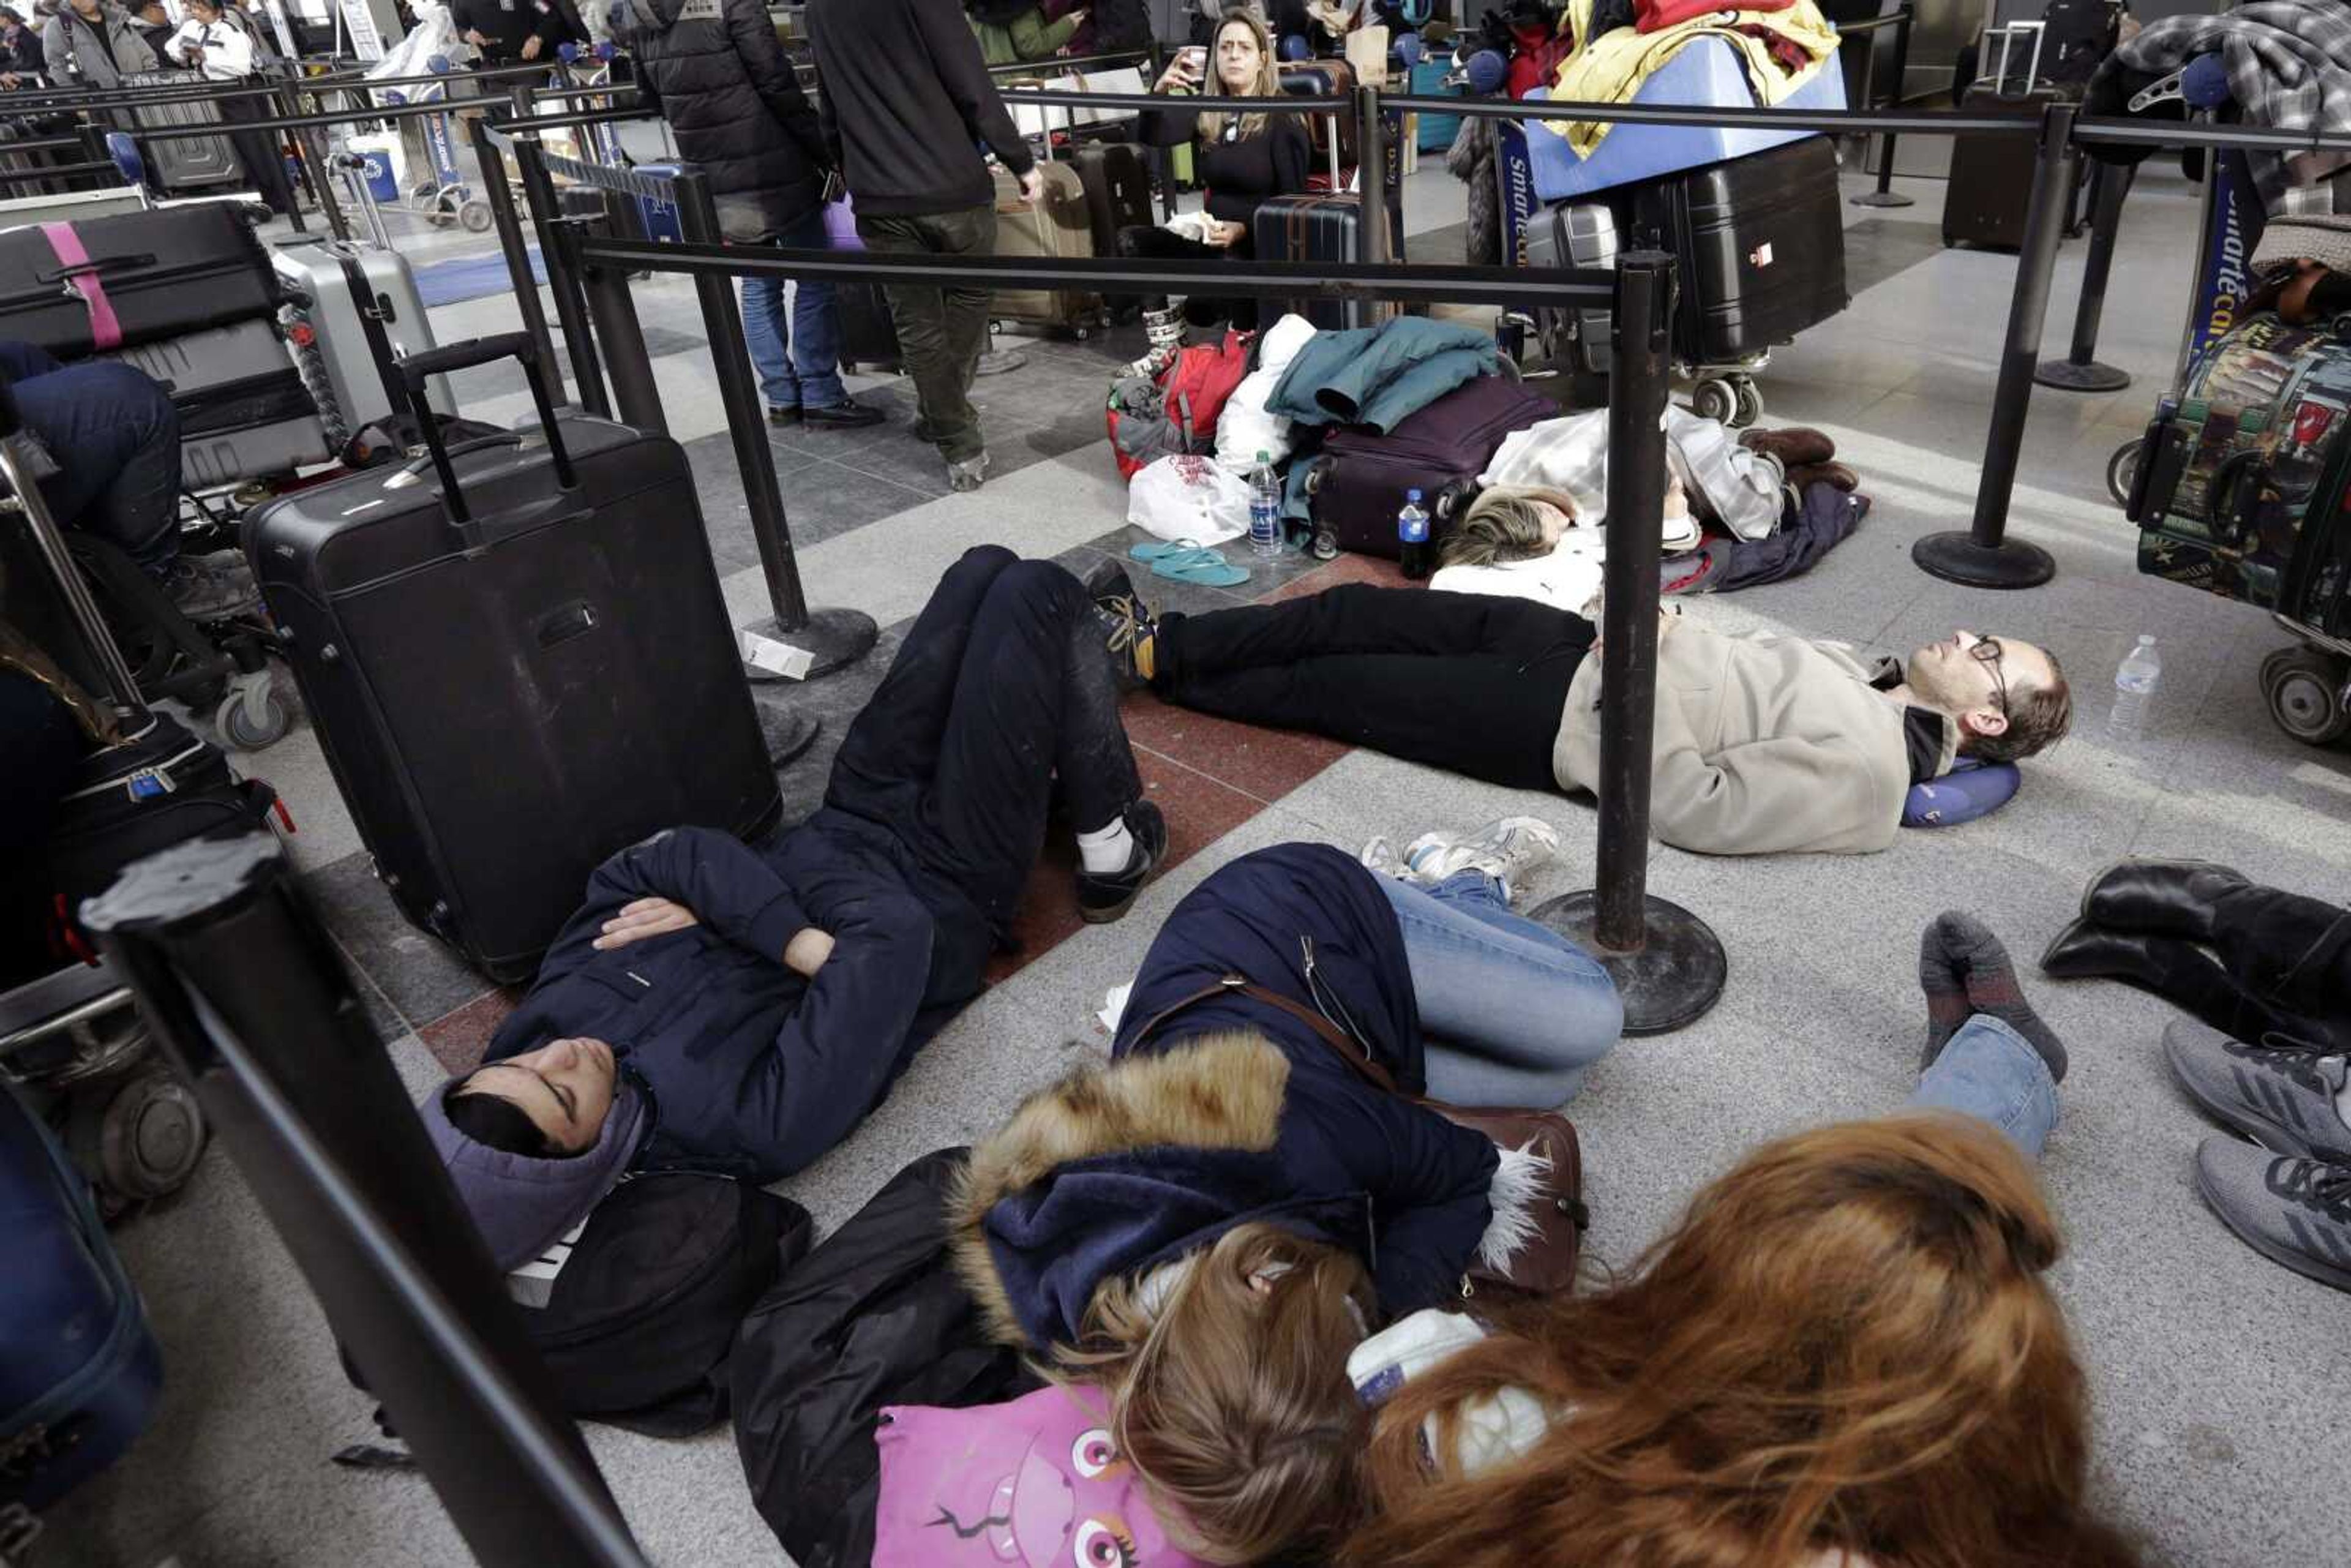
(717, 73)
(875, 1316)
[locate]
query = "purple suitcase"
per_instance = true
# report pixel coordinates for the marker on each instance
(1358, 483)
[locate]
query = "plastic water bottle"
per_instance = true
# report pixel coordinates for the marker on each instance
(1412, 537)
(1265, 507)
(2134, 688)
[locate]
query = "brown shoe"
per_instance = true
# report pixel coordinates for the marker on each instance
(1832, 474)
(1796, 446)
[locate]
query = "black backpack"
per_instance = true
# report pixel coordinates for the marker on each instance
(643, 1315)
(2077, 36)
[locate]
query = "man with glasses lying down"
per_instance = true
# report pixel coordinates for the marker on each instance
(1763, 744)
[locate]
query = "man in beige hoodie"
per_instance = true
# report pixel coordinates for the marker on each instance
(1763, 744)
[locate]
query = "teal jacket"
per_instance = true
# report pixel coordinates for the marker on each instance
(1374, 376)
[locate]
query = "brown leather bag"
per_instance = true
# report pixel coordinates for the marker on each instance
(1543, 1264)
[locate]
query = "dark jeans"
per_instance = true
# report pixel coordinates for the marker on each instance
(941, 331)
(2283, 966)
(116, 439)
(1200, 309)
(1000, 687)
(1465, 682)
(265, 165)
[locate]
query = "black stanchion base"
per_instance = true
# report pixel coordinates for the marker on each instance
(1671, 982)
(1957, 557)
(836, 638)
(1884, 199)
(2067, 376)
(787, 734)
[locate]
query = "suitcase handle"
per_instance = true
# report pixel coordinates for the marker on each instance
(418, 368)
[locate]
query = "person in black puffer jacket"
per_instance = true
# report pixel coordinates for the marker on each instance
(718, 75)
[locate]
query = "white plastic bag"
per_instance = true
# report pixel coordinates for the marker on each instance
(1188, 498)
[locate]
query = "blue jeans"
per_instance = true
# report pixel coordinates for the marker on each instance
(1517, 1010)
(1987, 1071)
(799, 367)
(115, 434)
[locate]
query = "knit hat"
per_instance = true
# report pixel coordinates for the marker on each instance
(2322, 237)
(521, 1203)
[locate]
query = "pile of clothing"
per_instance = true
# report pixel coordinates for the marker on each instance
(1782, 43)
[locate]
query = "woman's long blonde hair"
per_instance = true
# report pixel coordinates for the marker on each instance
(1503, 525)
(1267, 85)
(1845, 1345)
(1230, 1397)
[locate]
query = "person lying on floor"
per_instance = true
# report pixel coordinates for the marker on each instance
(719, 1008)
(1762, 743)
(1845, 1353)
(1203, 1226)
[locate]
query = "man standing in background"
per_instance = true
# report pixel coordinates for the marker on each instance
(514, 32)
(906, 101)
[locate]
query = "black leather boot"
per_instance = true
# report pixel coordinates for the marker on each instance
(2161, 898)
(2179, 972)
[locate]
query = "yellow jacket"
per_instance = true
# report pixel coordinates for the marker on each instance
(1612, 67)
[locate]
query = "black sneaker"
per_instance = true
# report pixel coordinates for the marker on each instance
(846, 414)
(1126, 620)
(1103, 898)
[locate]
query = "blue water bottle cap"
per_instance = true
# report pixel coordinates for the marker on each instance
(1412, 496)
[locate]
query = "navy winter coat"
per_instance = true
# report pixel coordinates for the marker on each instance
(1233, 1111)
(717, 73)
(753, 1070)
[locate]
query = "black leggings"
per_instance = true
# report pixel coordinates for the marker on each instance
(1465, 682)
(1200, 309)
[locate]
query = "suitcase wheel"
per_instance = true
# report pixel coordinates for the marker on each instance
(253, 715)
(1714, 399)
(1326, 545)
(1750, 402)
(2309, 693)
(2122, 471)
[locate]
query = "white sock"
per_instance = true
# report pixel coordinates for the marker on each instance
(1105, 851)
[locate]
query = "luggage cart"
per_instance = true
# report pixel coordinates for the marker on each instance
(2308, 686)
(445, 196)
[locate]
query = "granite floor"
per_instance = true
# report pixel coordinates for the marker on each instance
(2218, 1378)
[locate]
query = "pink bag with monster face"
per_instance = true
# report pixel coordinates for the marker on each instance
(1034, 1483)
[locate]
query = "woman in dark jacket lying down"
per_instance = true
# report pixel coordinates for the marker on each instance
(1205, 1227)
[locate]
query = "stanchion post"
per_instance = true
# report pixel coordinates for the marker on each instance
(636, 398)
(1667, 963)
(241, 987)
(562, 282)
(2080, 371)
(833, 637)
(1985, 557)
(1375, 241)
(499, 190)
(1886, 195)
(312, 163)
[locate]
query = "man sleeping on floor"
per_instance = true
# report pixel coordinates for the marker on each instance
(1763, 744)
(719, 1008)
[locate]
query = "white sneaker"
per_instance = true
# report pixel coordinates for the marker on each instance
(1504, 851)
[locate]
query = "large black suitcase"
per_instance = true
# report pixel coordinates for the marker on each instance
(1761, 240)
(1117, 182)
(516, 674)
(1318, 228)
(1991, 187)
(100, 284)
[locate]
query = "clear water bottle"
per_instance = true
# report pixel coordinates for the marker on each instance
(2134, 688)
(1412, 537)
(1265, 507)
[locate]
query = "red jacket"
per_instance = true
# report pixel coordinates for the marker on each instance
(1656, 16)
(1535, 61)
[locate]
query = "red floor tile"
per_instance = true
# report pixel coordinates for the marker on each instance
(456, 1039)
(1199, 811)
(1265, 763)
(1346, 569)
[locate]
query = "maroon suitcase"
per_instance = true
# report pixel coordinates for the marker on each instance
(1358, 483)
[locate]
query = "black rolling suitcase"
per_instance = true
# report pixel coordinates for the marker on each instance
(1318, 228)
(1117, 182)
(519, 661)
(95, 284)
(1761, 240)
(1991, 187)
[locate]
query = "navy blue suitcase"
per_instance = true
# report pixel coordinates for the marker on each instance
(78, 1369)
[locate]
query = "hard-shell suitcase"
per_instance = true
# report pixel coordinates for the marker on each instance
(1761, 240)
(1060, 225)
(361, 310)
(1117, 182)
(244, 413)
(1436, 131)
(95, 284)
(1575, 235)
(2241, 491)
(1325, 78)
(1358, 483)
(1313, 228)
(517, 660)
(78, 1368)
(1991, 187)
(186, 163)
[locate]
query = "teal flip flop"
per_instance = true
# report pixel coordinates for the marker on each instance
(1186, 561)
